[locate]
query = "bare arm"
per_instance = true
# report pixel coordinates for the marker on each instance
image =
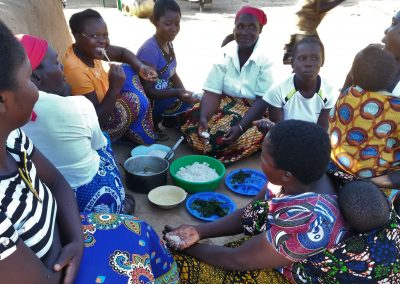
(275, 113)
(323, 118)
(176, 81)
(255, 253)
(208, 106)
(104, 109)
(23, 266)
(124, 55)
(391, 180)
(255, 112)
(226, 226)
(68, 218)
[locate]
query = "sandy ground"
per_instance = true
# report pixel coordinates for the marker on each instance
(344, 31)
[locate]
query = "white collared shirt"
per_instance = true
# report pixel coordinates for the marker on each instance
(299, 107)
(254, 79)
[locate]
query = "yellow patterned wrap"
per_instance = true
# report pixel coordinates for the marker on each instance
(364, 131)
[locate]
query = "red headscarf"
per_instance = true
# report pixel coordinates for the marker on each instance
(258, 13)
(35, 48)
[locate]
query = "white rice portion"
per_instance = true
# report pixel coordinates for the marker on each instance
(197, 172)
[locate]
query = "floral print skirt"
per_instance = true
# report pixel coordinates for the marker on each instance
(105, 192)
(123, 249)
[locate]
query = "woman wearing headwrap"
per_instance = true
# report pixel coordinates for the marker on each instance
(66, 130)
(221, 124)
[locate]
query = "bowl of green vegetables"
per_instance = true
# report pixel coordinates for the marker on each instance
(210, 206)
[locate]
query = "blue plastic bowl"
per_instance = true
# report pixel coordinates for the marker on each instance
(145, 150)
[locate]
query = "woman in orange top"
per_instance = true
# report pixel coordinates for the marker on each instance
(119, 99)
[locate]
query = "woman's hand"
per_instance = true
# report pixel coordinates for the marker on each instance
(232, 135)
(263, 125)
(69, 260)
(148, 73)
(116, 77)
(184, 95)
(203, 123)
(182, 237)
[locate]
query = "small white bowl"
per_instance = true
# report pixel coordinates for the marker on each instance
(167, 196)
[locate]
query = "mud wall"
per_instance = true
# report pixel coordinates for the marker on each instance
(44, 18)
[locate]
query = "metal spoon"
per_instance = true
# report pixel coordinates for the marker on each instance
(170, 152)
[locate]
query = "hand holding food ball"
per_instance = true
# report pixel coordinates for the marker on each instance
(182, 237)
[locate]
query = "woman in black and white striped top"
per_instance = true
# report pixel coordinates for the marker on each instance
(40, 242)
(36, 232)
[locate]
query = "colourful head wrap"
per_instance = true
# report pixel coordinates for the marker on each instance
(35, 48)
(258, 13)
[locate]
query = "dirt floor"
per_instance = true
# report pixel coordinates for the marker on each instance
(344, 31)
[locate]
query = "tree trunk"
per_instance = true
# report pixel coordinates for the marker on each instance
(43, 18)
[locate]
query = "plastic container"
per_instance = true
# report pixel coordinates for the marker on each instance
(250, 186)
(226, 201)
(148, 150)
(167, 196)
(193, 187)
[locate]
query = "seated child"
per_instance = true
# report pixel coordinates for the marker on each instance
(365, 120)
(304, 95)
(363, 206)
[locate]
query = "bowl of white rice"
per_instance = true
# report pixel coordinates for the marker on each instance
(196, 173)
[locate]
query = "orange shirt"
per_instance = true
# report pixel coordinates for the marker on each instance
(84, 79)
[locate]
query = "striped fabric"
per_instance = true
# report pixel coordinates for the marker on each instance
(22, 214)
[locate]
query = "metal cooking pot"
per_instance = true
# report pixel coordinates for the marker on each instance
(143, 173)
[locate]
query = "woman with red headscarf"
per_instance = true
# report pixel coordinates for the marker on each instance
(66, 130)
(221, 124)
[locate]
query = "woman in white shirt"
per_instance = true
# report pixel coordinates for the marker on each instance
(221, 125)
(66, 130)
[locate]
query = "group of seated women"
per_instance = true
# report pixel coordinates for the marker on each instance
(322, 218)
